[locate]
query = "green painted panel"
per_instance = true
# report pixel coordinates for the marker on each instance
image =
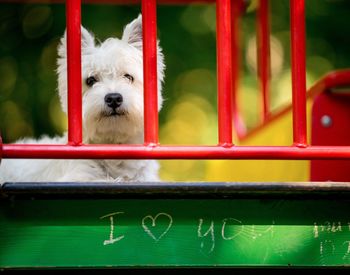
(235, 232)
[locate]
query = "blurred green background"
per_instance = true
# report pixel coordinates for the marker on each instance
(29, 35)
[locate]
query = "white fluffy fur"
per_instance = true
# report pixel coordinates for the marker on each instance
(108, 63)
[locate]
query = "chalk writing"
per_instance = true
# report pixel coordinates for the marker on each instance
(270, 229)
(148, 230)
(210, 230)
(336, 227)
(111, 239)
(347, 253)
(327, 246)
(230, 229)
(315, 230)
(327, 227)
(233, 221)
(331, 227)
(255, 233)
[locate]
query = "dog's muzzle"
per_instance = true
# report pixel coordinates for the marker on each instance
(114, 101)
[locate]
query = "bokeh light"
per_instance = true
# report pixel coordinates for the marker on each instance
(13, 122)
(202, 15)
(37, 21)
(192, 120)
(276, 56)
(8, 76)
(199, 81)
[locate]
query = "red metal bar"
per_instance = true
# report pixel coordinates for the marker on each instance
(187, 152)
(184, 2)
(263, 54)
(173, 152)
(73, 14)
(331, 80)
(0, 148)
(297, 28)
(149, 31)
(334, 79)
(224, 71)
(330, 126)
(237, 8)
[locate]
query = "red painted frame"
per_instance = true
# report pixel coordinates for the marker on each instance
(228, 76)
(149, 32)
(263, 54)
(73, 15)
(334, 131)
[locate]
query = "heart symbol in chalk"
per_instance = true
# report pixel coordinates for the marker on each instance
(153, 226)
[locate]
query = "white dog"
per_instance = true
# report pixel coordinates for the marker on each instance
(112, 112)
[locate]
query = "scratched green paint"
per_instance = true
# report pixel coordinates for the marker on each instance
(244, 232)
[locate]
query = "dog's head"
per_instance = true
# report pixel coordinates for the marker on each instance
(112, 79)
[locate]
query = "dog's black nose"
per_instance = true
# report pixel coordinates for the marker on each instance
(114, 100)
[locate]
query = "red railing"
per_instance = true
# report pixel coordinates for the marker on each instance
(224, 71)
(263, 46)
(149, 32)
(297, 31)
(228, 14)
(73, 15)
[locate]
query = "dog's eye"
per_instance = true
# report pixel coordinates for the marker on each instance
(129, 77)
(90, 81)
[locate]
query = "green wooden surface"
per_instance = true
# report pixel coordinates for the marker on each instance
(174, 232)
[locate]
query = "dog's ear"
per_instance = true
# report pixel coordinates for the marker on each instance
(133, 36)
(87, 47)
(133, 33)
(87, 43)
(87, 40)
